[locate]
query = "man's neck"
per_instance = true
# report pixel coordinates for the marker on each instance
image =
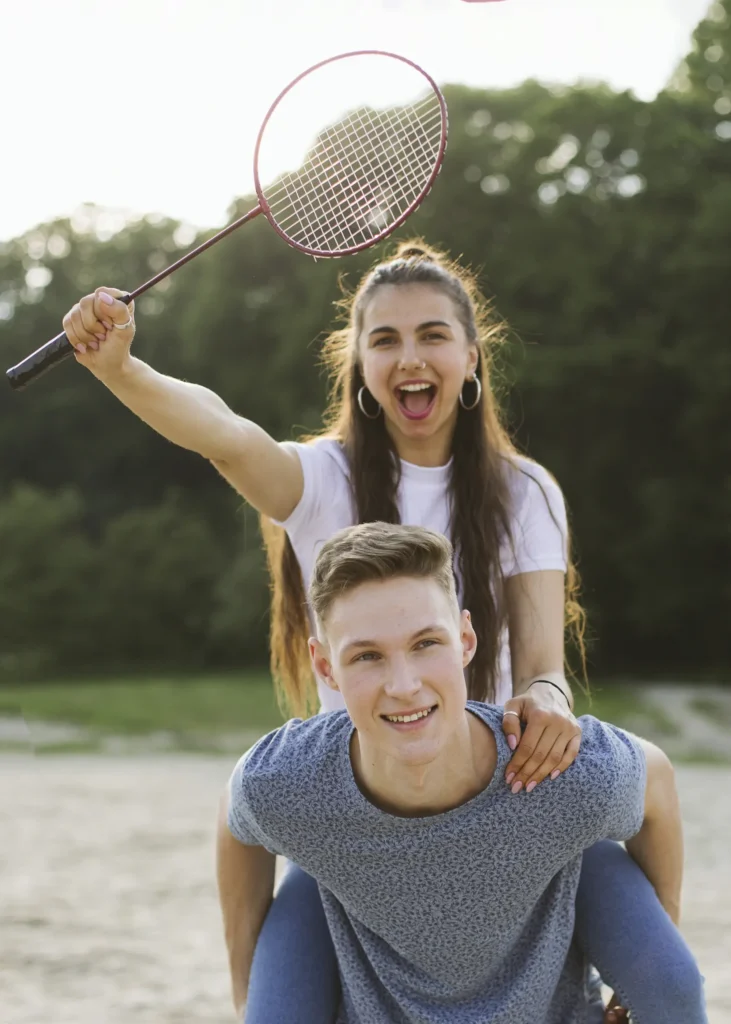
(463, 769)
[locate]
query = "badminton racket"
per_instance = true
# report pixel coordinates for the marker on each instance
(349, 150)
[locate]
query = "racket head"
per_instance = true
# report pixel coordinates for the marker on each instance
(372, 165)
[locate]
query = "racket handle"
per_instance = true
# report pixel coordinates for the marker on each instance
(40, 361)
(44, 358)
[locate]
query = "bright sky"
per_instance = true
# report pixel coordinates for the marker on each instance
(154, 105)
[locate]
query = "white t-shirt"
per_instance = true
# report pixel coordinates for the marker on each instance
(538, 529)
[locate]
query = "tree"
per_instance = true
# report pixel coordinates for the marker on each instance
(601, 224)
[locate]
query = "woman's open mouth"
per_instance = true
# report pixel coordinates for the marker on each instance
(416, 398)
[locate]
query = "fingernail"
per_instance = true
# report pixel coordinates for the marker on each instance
(94, 345)
(81, 349)
(517, 786)
(106, 298)
(100, 337)
(107, 324)
(512, 742)
(510, 778)
(531, 786)
(555, 773)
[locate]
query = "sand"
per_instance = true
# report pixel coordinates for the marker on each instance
(108, 902)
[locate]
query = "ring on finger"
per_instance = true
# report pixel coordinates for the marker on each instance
(121, 327)
(506, 713)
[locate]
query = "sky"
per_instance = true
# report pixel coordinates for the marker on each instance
(154, 105)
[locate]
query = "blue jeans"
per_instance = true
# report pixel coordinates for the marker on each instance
(620, 925)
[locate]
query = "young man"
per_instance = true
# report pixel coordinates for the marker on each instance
(449, 899)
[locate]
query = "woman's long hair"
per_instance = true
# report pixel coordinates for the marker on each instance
(482, 458)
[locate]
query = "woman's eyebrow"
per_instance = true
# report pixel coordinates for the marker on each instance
(422, 327)
(433, 323)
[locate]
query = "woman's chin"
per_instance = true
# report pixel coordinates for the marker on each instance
(420, 430)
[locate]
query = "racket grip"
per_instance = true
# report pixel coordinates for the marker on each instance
(39, 362)
(47, 356)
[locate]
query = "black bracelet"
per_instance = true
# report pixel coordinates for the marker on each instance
(556, 687)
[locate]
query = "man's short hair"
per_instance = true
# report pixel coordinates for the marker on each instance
(374, 552)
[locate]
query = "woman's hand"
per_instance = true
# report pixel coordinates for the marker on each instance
(551, 739)
(99, 345)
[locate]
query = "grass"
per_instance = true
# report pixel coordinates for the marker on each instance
(216, 704)
(718, 711)
(625, 706)
(136, 707)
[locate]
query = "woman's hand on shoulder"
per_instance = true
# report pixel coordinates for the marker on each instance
(545, 736)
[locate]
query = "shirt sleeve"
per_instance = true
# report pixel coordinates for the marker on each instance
(615, 776)
(242, 819)
(540, 527)
(315, 461)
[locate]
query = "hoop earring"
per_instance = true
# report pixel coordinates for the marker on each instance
(361, 405)
(476, 381)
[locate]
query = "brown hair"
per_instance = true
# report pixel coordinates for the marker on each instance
(479, 493)
(375, 552)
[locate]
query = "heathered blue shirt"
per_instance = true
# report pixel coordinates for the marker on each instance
(464, 917)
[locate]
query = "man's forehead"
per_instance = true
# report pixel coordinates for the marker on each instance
(388, 612)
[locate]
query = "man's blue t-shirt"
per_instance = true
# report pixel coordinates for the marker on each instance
(462, 917)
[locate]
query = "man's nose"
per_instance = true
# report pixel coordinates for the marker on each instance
(402, 681)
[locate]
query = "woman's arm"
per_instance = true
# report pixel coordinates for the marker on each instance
(535, 602)
(550, 743)
(245, 876)
(267, 474)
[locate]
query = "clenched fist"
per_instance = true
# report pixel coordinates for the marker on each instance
(101, 329)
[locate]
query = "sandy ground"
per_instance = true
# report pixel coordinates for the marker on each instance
(108, 904)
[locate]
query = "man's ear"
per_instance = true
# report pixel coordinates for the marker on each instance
(321, 664)
(468, 638)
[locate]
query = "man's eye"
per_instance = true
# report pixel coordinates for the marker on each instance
(426, 643)
(366, 656)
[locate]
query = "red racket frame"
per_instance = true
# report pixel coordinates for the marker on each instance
(407, 213)
(60, 348)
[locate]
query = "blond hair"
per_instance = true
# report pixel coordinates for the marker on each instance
(377, 552)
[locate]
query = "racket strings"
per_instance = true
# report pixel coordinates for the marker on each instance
(359, 177)
(330, 199)
(374, 193)
(407, 180)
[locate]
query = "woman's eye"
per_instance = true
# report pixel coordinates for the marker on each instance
(380, 342)
(434, 337)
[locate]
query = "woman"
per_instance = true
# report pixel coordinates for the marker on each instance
(413, 435)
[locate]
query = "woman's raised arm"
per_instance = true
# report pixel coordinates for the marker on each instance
(267, 474)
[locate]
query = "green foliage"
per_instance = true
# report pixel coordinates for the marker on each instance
(602, 224)
(240, 603)
(47, 573)
(158, 568)
(209, 704)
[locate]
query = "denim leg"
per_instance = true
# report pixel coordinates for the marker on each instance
(294, 974)
(625, 932)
